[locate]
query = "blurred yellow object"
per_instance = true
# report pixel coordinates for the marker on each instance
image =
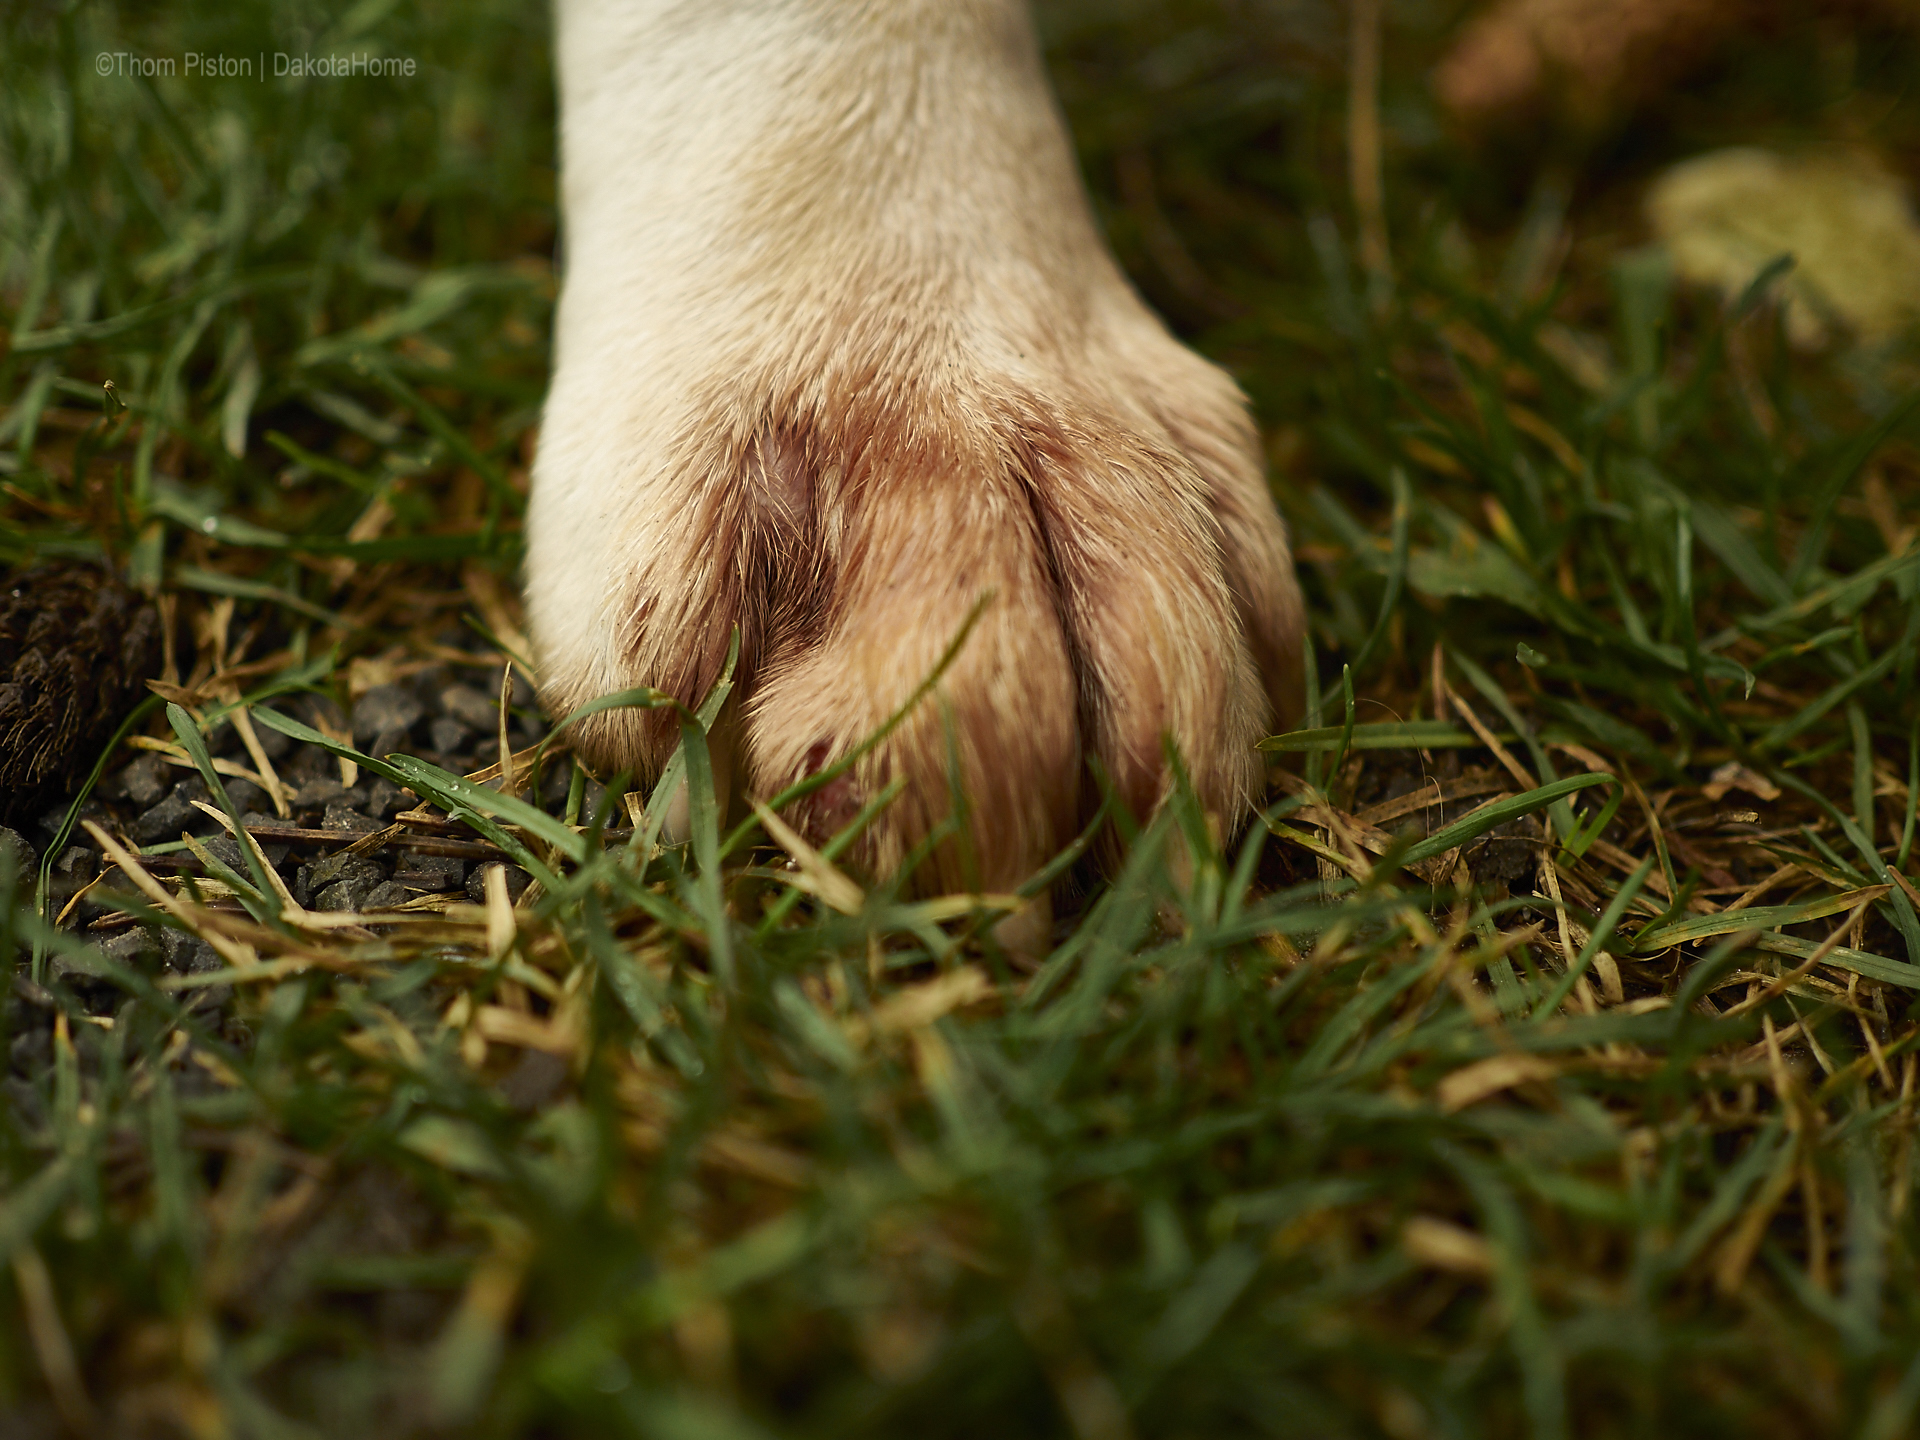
(1848, 224)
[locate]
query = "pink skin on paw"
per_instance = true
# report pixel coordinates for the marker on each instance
(830, 809)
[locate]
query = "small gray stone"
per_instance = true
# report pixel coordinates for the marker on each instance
(72, 872)
(271, 740)
(388, 896)
(385, 709)
(246, 795)
(16, 853)
(390, 742)
(145, 778)
(49, 824)
(431, 872)
(344, 895)
(320, 791)
(593, 800)
(517, 881)
(175, 813)
(385, 799)
(323, 873)
(68, 968)
(448, 736)
(428, 684)
(226, 850)
(188, 954)
(341, 816)
(138, 948)
(307, 764)
(470, 708)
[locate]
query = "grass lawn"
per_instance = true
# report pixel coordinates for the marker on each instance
(1541, 1062)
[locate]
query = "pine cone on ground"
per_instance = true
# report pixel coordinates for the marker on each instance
(76, 646)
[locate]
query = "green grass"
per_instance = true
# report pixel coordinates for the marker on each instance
(1346, 1130)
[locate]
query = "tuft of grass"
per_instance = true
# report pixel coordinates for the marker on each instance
(1540, 1062)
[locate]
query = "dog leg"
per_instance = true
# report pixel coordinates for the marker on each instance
(841, 359)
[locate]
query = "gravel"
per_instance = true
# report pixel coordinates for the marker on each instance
(17, 853)
(389, 895)
(75, 868)
(383, 717)
(357, 872)
(319, 792)
(146, 779)
(431, 873)
(385, 800)
(340, 815)
(246, 796)
(447, 712)
(470, 708)
(188, 954)
(173, 814)
(346, 895)
(138, 949)
(148, 800)
(448, 735)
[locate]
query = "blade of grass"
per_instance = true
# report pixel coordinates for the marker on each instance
(475, 804)
(1379, 735)
(1396, 570)
(43, 888)
(1862, 767)
(1346, 732)
(1759, 917)
(1603, 932)
(1561, 810)
(672, 774)
(195, 745)
(1852, 458)
(1584, 836)
(216, 582)
(1913, 798)
(704, 823)
(1541, 1365)
(1499, 812)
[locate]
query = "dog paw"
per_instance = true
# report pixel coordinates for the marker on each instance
(1125, 575)
(845, 417)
